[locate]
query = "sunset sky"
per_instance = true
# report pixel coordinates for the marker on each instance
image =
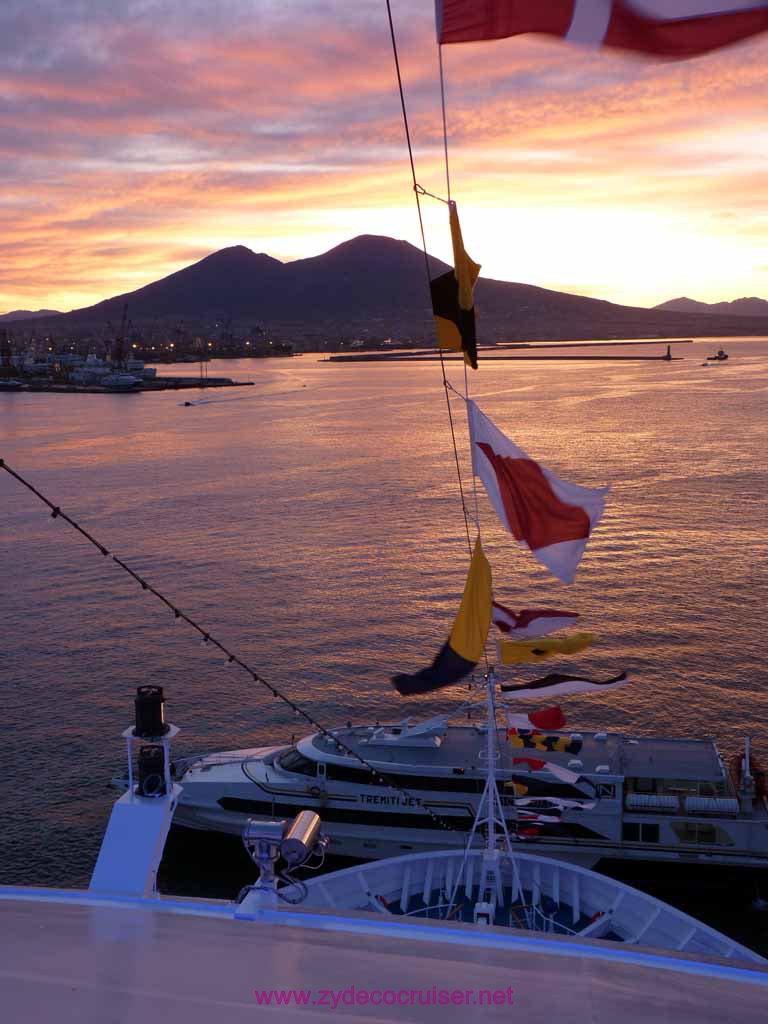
(138, 136)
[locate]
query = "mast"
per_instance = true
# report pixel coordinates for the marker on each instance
(489, 816)
(490, 812)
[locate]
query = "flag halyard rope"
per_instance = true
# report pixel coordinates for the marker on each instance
(488, 669)
(421, 191)
(418, 190)
(445, 123)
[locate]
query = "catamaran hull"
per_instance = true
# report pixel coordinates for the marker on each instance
(363, 842)
(374, 842)
(366, 843)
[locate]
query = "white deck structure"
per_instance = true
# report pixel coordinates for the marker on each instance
(74, 957)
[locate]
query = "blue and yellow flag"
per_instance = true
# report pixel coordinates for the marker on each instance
(466, 643)
(453, 301)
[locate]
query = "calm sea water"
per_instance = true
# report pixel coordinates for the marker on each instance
(313, 523)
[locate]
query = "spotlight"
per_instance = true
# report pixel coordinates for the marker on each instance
(151, 771)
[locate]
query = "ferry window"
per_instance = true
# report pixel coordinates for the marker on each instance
(649, 833)
(340, 773)
(630, 832)
(705, 834)
(361, 777)
(645, 785)
(442, 783)
(293, 761)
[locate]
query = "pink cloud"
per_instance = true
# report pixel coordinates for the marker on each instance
(126, 143)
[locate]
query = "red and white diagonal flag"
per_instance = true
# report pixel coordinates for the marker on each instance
(551, 517)
(663, 28)
(530, 622)
(526, 816)
(565, 775)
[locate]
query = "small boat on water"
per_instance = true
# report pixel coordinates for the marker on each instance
(10, 384)
(721, 356)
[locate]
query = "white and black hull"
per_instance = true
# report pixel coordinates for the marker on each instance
(367, 821)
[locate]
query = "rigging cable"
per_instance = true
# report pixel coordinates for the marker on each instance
(445, 124)
(448, 386)
(418, 190)
(231, 658)
(448, 189)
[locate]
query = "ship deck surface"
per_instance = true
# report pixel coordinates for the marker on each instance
(64, 961)
(464, 747)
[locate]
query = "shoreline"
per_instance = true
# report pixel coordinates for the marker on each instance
(158, 384)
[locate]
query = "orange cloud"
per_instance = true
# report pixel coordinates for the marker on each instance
(131, 146)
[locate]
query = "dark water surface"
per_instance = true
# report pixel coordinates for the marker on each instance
(313, 523)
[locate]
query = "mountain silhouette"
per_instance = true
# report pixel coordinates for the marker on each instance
(377, 282)
(737, 307)
(26, 314)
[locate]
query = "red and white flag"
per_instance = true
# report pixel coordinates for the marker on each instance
(527, 832)
(526, 816)
(664, 28)
(562, 774)
(551, 517)
(547, 718)
(530, 622)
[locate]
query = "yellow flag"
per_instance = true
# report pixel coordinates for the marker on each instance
(465, 268)
(527, 652)
(448, 334)
(470, 630)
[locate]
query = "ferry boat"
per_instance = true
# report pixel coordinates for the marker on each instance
(637, 798)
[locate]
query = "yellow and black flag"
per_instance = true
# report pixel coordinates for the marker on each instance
(452, 298)
(466, 643)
